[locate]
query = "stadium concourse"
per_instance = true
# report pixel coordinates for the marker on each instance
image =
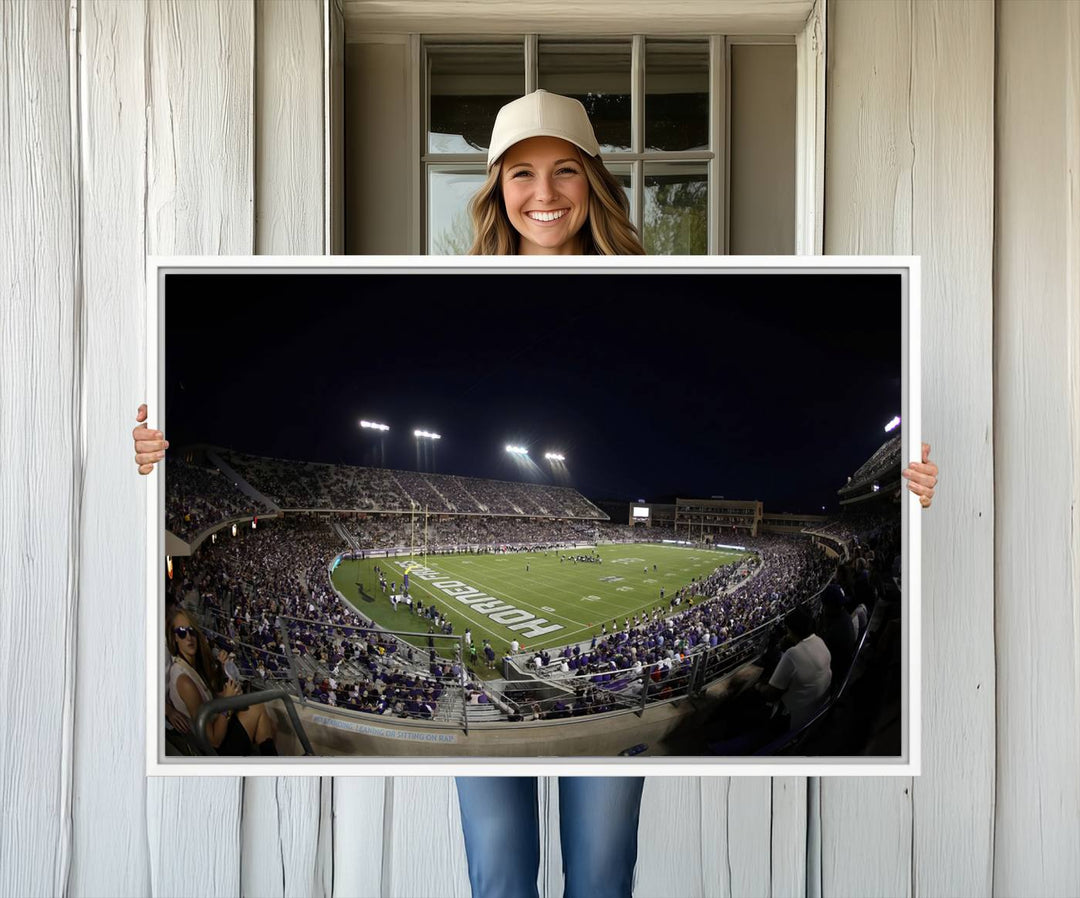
(266, 595)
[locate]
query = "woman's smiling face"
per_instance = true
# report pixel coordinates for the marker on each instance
(546, 194)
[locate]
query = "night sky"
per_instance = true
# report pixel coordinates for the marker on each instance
(772, 387)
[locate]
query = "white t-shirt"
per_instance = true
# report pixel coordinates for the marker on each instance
(859, 618)
(804, 673)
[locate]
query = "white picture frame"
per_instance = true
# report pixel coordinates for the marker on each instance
(908, 763)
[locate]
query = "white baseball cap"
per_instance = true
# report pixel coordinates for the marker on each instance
(541, 114)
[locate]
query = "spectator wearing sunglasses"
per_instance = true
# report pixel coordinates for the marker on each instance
(196, 676)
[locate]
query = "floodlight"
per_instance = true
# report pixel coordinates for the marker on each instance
(893, 424)
(426, 434)
(517, 450)
(554, 456)
(371, 425)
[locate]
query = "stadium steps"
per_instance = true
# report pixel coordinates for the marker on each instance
(342, 531)
(483, 713)
(241, 484)
(449, 709)
(446, 502)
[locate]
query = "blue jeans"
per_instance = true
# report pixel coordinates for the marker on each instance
(598, 819)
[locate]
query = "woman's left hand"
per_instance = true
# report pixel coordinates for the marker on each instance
(922, 477)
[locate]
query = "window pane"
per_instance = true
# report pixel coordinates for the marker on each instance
(467, 85)
(449, 191)
(623, 174)
(676, 95)
(597, 74)
(676, 209)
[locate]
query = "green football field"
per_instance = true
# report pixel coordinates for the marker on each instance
(537, 598)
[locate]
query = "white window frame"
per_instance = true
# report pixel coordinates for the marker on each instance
(809, 40)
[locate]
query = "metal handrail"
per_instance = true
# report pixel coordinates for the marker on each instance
(238, 703)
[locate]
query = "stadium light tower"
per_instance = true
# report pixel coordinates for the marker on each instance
(517, 450)
(557, 466)
(425, 438)
(381, 430)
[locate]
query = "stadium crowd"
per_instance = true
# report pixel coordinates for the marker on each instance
(197, 497)
(884, 464)
(309, 485)
(246, 584)
(784, 572)
(280, 571)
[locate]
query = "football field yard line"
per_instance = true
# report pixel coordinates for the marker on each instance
(495, 594)
(564, 597)
(558, 590)
(458, 609)
(562, 586)
(567, 593)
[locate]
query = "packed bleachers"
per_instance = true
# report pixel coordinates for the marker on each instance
(308, 485)
(280, 571)
(882, 468)
(377, 532)
(247, 582)
(198, 497)
(734, 600)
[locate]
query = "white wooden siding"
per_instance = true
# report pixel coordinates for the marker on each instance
(109, 825)
(1037, 561)
(199, 195)
(134, 127)
(909, 148)
(41, 456)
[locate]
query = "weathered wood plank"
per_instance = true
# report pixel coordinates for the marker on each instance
(671, 834)
(952, 127)
(360, 808)
(749, 836)
(41, 449)
(110, 767)
(789, 816)
(289, 127)
(280, 837)
(866, 837)
(199, 201)
(194, 860)
(281, 816)
(909, 170)
(868, 196)
(868, 152)
(200, 185)
(423, 848)
(1037, 446)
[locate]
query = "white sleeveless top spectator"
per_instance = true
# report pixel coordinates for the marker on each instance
(180, 666)
(804, 673)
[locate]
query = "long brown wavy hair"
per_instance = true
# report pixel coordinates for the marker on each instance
(607, 231)
(206, 665)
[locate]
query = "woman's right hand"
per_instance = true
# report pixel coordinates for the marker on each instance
(150, 445)
(231, 688)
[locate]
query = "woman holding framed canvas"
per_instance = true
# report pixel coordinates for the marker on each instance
(547, 193)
